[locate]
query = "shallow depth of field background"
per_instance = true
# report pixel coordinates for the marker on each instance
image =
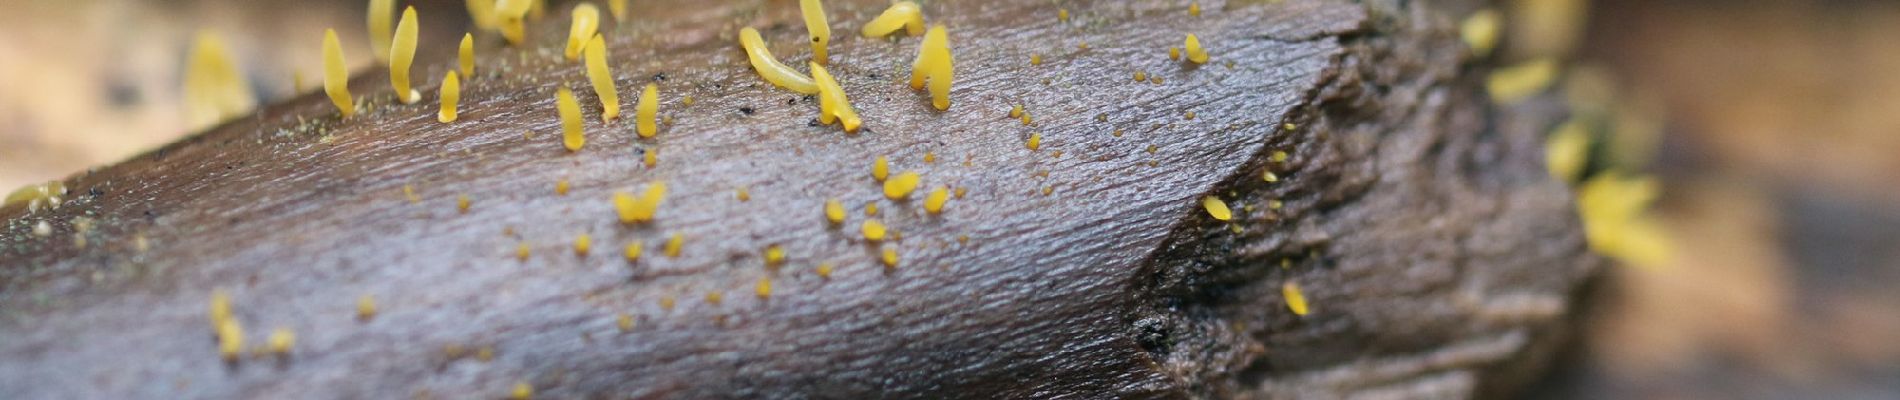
(1779, 157)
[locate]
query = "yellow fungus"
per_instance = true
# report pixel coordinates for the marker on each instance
(819, 28)
(336, 75)
(522, 391)
(461, 203)
(1194, 9)
(900, 186)
(633, 250)
(870, 208)
(1195, 53)
(521, 251)
(640, 209)
(834, 211)
(880, 168)
(220, 308)
(1062, 14)
(934, 202)
(482, 13)
(571, 135)
(560, 187)
(934, 63)
(365, 307)
(485, 354)
(1155, 79)
(582, 243)
(901, 15)
(1516, 82)
(774, 255)
(1035, 142)
(890, 257)
(402, 53)
(1025, 118)
(715, 297)
(625, 322)
(586, 19)
(509, 15)
(1566, 151)
(651, 157)
(466, 54)
(618, 8)
(1613, 209)
(379, 14)
(763, 288)
(960, 192)
(215, 88)
(280, 341)
(451, 93)
(1295, 300)
(1016, 111)
(673, 245)
(230, 339)
(666, 302)
(930, 157)
(770, 68)
(873, 230)
(1278, 156)
(1275, 204)
(1217, 208)
(645, 113)
(823, 270)
(1269, 177)
(1141, 75)
(1190, 115)
(602, 79)
(1082, 46)
(686, 101)
(1480, 31)
(742, 194)
(833, 105)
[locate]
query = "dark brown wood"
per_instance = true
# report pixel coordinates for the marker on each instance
(1438, 255)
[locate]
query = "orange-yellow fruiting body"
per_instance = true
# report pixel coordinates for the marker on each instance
(633, 250)
(900, 186)
(230, 339)
(674, 244)
(774, 255)
(1515, 82)
(873, 230)
(833, 105)
(651, 157)
(823, 270)
(1035, 142)
(451, 93)
(582, 243)
(402, 53)
(1217, 208)
(742, 194)
(770, 68)
(571, 135)
(365, 307)
(482, 12)
(834, 211)
(1566, 150)
(461, 203)
(764, 288)
(890, 257)
(715, 297)
(560, 187)
(1480, 31)
(602, 79)
(281, 340)
(585, 22)
(934, 202)
(901, 15)
(1269, 176)
(640, 209)
(819, 28)
(220, 308)
(522, 391)
(379, 14)
(646, 114)
(625, 321)
(1195, 53)
(934, 62)
(880, 168)
(509, 14)
(215, 89)
(521, 251)
(466, 54)
(870, 208)
(1295, 300)
(1062, 14)
(336, 75)
(619, 10)
(1194, 9)
(1016, 111)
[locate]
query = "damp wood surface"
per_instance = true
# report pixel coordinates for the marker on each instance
(1436, 256)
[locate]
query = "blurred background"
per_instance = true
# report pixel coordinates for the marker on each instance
(1773, 127)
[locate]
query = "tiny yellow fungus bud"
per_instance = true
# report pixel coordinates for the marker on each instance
(960, 192)
(571, 135)
(833, 104)
(1480, 31)
(645, 113)
(602, 79)
(485, 354)
(617, 8)
(1035, 142)
(1195, 53)
(764, 288)
(466, 54)
(281, 340)
(673, 245)
(890, 257)
(930, 157)
(715, 297)
(667, 302)
(1295, 300)
(380, 12)
(1278, 156)
(220, 308)
(770, 68)
(1153, 148)
(461, 204)
(934, 202)
(1016, 111)
(1174, 53)
(215, 89)
(1516, 82)
(1194, 9)
(880, 168)
(819, 28)
(586, 19)
(365, 307)
(230, 339)
(522, 391)
(451, 94)
(1046, 190)
(560, 187)
(521, 251)
(1025, 118)
(873, 230)
(336, 75)
(901, 15)
(1217, 208)
(1062, 14)
(870, 208)
(1082, 46)
(633, 250)
(686, 101)
(1035, 59)
(834, 211)
(824, 270)
(1566, 151)
(1269, 177)
(640, 209)
(402, 53)
(774, 255)
(1275, 204)
(934, 62)
(582, 243)
(1155, 79)
(900, 186)
(1141, 75)
(1190, 115)
(626, 322)
(742, 194)
(651, 157)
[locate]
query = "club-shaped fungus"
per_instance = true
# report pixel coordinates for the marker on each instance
(1480, 31)
(1034, 143)
(618, 8)
(451, 93)
(466, 55)
(933, 203)
(823, 270)
(586, 21)
(625, 322)
(509, 15)
(1516, 82)
(336, 75)
(602, 79)
(379, 14)
(1195, 53)
(1217, 208)
(1295, 300)
(873, 230)
(402, 53)
(571, 135)
(818, 27)
(901, 15)
(640, 209)
(674, 244)
(522, 391)
(770, 68)
(482, 13)
(833, 105)
(280, 341)
(934, 63)
(365, 307)
(900, 186)
(230, 339)
(215, 88)
(763, 288)
(633, 250)
(834, 211)
(1566, 150)
(646, 114)
(890, 256)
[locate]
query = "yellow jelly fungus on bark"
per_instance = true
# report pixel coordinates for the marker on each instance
(220, 308)
(336, 75)
(602, 79)
(651, 157)
(823, 270)
(582, 243)
(1269, 177)
(451, 93)
(560, 187)
(673, 245)
(833, 104)
(901, 15)
(586, 21)
(770, 68)
(900, 186)
(934, 63)
(1034, 143)
(466, 55)
(1295, 300)
(934, 202)
(890, 257)
(646, 113)
(1217, 208)
(1480, 31)
(1566, 151)
(1016, 111)
(774, 255)
(379, 14)
(625, 322)
(742, 194)
(873, 230)
(618, 8)
(281, 340)
(522, 251)
(1516, 82)
(215, 88)
(633, 250)
(763, 288)
(640, 209)
(509, 16)
(1174, 53)
(715, 297)
(365, 307)
(230, 339)
(1195, 53)
(1141, 76)
(402, 53)
(1278, 156)
(461, 204)
(1062, 14)
(834, 211)
(870, 208)
(522, 391)
(880, 168)
(571, 135)
(1194, 9)
(482, 13)
(1613, 207)
(819, 28)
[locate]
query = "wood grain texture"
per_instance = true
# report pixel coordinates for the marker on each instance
(1437, 253)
